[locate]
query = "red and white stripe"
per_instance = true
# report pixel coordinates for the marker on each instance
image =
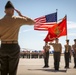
(41, 24)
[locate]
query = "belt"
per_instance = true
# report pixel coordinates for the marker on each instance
(9, 42)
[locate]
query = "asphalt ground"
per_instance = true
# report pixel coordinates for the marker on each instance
(35, 67)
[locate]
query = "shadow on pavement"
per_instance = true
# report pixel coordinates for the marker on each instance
(49, 70)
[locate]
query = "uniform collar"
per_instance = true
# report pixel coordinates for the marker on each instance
(7, 15)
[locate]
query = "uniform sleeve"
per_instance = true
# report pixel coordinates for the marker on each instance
(43, 47)
(25, 21)
(65, 47)
(49, 47)
(70, 48)
(60, 48)
(51, 43)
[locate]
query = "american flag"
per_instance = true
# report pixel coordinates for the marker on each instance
(44, 22)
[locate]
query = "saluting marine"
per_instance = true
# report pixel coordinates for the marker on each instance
(9, 29)
(67, 53)
(46, 54)
(57, 53)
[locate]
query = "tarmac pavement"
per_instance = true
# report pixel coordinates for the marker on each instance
(35, 67)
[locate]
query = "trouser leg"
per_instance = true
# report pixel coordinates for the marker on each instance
(4, 66)
(66, 60)
(47, 58)
(9, 66)
(9, 54)
(13, 64)
(69, 58)
(0, 66)
(56, 60)
(74, 60)
(65, 56)
(14, 60)
(44, 61)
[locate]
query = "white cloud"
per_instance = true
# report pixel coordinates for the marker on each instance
(43, 34)
(71, 25)
(71, 34)
(26, 30)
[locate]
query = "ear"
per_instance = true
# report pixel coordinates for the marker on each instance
(5, 11)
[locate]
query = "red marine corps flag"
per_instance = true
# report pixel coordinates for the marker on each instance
(57, 31)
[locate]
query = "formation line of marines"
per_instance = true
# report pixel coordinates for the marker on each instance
(57, 53)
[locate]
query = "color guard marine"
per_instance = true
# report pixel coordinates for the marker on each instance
(74, 54)
(67, 53)
(57, 53)
(46, 54)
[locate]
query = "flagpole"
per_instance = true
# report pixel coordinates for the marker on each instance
(57, 14)
(66, 27)
(66, 32)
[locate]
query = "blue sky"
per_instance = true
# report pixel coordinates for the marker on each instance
(32, 39)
